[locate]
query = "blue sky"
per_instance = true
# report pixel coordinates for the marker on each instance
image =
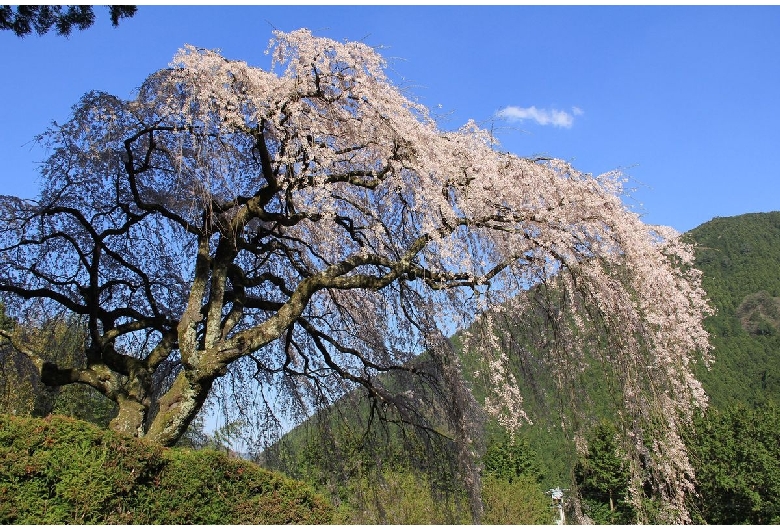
(685, 99)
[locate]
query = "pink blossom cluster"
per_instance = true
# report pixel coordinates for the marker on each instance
(311, 219)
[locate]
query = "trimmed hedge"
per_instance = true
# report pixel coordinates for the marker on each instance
(58, 470)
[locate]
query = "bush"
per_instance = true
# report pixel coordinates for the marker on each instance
(58, 470)
(520, 501)
(399, 497)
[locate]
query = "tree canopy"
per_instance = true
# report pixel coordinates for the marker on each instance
(307, 228)
(22, 20)
(737, 458)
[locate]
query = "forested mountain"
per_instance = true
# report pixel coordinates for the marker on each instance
(734, 447)
(740, 261)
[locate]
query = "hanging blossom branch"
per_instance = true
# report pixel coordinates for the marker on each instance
(308, 227)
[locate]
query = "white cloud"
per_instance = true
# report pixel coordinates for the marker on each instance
(554, 117)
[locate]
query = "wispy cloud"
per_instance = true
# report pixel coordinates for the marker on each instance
(554, 117)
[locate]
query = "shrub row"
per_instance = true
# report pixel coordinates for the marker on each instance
(58, 470)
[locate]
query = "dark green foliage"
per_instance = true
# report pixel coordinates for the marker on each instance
(736, 467)
(736, 447)
(376, 481)
(739, 256)
(740, 261)
(58, 470)
(23, 20)
(510, 459)
(63, 471)
(207, 487)
(602, 477)
(550, 447)
(736, 453)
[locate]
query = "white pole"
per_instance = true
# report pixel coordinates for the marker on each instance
(557, 499)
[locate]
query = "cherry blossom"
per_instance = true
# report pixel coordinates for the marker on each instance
(307, 228)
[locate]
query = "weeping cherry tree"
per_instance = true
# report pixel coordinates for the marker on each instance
(300, 231)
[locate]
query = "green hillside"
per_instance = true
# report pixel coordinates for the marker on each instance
(740, 261)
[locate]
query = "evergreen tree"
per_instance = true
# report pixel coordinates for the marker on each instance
(736, 453)
(23, 20)
(511, 459)
(602, 476)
